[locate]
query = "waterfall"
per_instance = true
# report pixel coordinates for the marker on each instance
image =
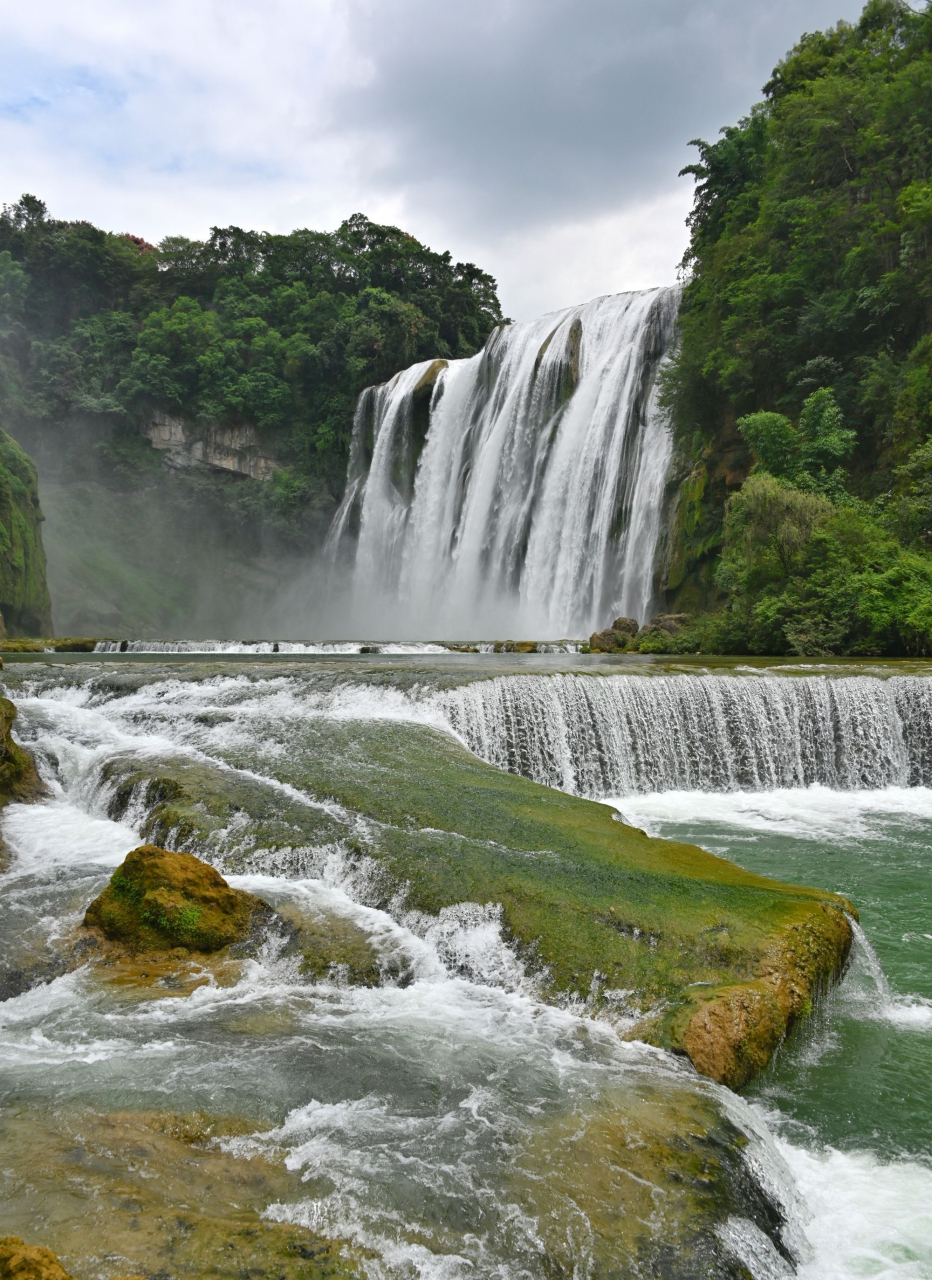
(517, 492)
(602, 736)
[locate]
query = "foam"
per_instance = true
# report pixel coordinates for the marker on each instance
(865, 1217)
(817, 812)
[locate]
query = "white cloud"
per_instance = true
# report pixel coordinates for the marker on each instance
(538, 138)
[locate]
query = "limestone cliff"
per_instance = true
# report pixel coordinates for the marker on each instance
(24, 594)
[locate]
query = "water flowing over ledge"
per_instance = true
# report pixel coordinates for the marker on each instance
(520, 490)
(600, 736)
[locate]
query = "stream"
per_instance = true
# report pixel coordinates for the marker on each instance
(447, 1122)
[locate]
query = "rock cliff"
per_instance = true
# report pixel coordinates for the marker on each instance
(24, 595)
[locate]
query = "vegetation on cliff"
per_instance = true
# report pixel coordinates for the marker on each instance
(806, 355)
(280, 332)
(24, 595)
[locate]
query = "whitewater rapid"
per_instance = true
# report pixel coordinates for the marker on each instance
(467, 1030)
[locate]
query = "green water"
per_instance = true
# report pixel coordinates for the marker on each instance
(859, 1073)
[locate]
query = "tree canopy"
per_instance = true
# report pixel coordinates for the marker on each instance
(278, 331)
(806, 351)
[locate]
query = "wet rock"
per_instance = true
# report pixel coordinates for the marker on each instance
(158, 900)
(157, 1198)
(625, 626)
(609, 641)
(731, 1032)
(19, 780)
(21, 1261)
(333, 948)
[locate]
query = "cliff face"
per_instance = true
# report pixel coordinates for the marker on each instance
(25, 609)
(215, 446)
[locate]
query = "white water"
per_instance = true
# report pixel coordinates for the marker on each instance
(483, 1043)
(263, 646)
(530, 503)
(616, 735)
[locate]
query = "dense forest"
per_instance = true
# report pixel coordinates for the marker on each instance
(802, 389)
(102, 333)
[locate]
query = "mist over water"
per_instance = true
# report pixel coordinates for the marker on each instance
(516, 493)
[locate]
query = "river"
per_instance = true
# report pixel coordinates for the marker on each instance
(447, 1122)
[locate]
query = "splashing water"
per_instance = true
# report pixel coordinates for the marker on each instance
(520, 490)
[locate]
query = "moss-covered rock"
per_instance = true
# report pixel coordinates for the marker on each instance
(25, 608)
(158, 900)
(606, 916)
(21, 1261)
(18, 777)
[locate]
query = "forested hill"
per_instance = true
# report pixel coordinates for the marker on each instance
(806, 354)
(269, 338)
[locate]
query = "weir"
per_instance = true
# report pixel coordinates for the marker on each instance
(599, 736)
(517, 491)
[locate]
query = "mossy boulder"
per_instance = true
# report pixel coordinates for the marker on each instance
(18, 777)
(21, 1261)
(158, 900)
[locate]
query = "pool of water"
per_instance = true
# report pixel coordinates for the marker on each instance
(850, 1094)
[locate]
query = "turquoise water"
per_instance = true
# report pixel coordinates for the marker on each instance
(850, 1093)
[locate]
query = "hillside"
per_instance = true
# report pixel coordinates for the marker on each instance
(190, 404)
(802, 391)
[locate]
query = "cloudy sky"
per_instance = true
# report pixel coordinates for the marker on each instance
(538, 138)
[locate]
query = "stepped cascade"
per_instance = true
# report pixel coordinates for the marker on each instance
(519, 491)
(601, 736)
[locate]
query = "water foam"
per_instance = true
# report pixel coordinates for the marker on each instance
(865, 1217)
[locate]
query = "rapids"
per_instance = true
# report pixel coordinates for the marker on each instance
(447, 1121)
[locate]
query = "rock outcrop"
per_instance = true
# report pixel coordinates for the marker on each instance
(614, 639)
(25, 609)
(21, 1261)
(216, 446)
(665, 633)
(18, 777)
(158, 901)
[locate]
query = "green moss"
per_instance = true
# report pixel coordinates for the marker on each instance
(157, 900)
(24, 595)
(18, 777)
(606, 916)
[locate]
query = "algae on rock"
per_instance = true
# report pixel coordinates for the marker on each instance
(18, 777)
(158, 900)
(604, 916)
(24, 595)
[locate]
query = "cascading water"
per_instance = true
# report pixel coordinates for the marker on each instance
(618, 735)
(520, 490)
(445, 1120)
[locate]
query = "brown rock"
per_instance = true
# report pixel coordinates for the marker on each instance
(21, 1261)
(18, 777)
(158, 900)
(670, 622)
(626, 626)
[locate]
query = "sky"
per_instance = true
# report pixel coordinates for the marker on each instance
(540, 139)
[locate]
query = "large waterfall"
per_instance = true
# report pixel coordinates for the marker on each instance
(618, 735)
(518, 492)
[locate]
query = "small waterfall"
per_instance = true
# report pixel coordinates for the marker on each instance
(602, 736)
(517, 492)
